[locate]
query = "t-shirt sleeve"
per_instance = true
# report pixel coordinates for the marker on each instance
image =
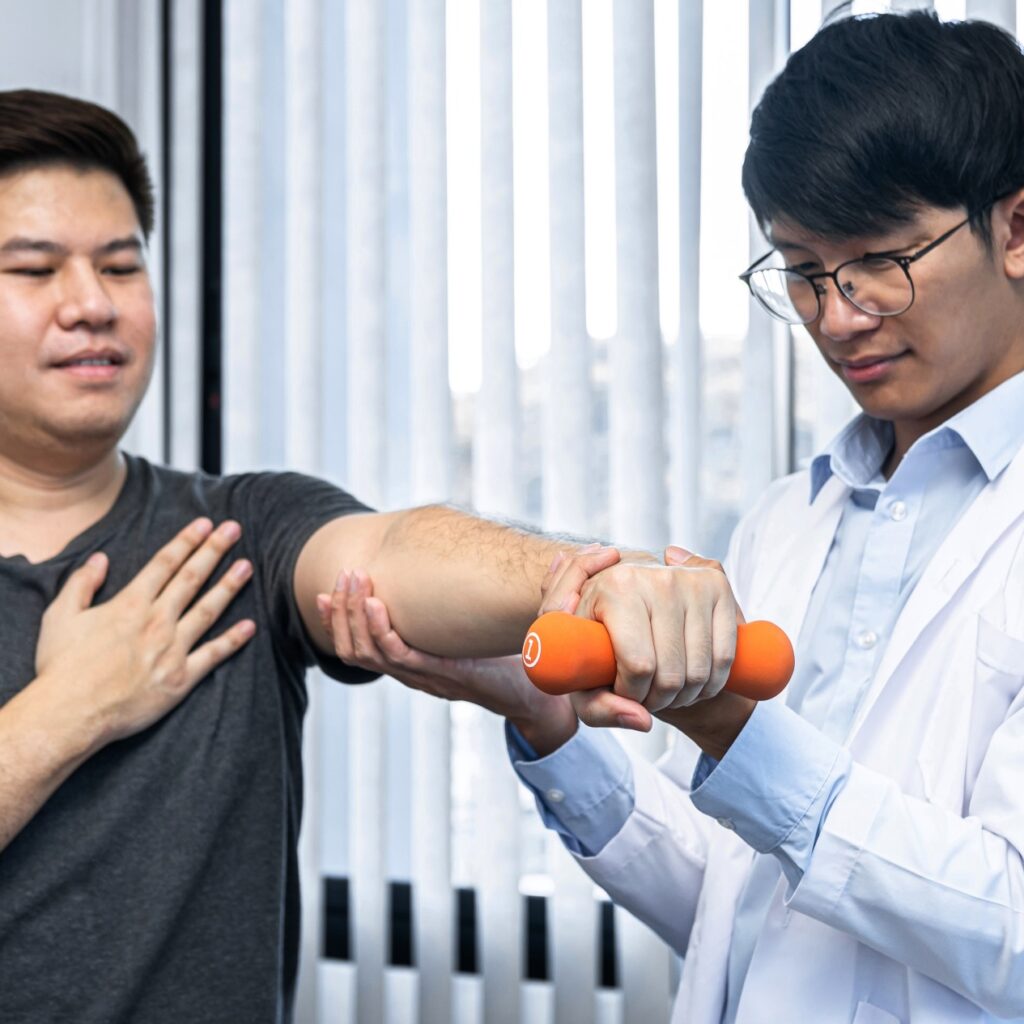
(280, 512)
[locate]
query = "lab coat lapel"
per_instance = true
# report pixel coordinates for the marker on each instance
(794, 553)
(995, 509)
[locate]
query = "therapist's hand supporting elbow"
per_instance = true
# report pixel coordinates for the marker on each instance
(363, 635)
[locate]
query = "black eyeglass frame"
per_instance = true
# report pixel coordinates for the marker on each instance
(902, 261)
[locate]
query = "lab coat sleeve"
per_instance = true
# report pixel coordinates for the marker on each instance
(626, 821)
(583, 790)
(654, 866)
(939, 892)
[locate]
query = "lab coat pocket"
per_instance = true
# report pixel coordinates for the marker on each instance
(942, 755)
(982, 679)
(999, 650)
(868, 1014)
(999, 678)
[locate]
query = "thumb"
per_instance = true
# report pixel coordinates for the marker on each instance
(602, 709)
(675, 555)
(81, 586)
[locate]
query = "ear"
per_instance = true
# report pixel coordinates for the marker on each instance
(1008, 228)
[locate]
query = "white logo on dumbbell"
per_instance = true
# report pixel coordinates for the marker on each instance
(531, 650)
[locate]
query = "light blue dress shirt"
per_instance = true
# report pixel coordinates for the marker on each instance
(888, 531)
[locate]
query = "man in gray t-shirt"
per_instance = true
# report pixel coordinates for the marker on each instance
(159, 883)
(150, 783)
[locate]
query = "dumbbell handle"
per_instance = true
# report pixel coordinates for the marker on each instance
(563, 653)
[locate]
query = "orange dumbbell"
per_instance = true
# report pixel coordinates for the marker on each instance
(563, 653)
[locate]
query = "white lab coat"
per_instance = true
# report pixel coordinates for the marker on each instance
(912, 908)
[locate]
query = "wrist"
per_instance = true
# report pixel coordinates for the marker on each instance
(713, 724)
(57, 725)
(547, 727)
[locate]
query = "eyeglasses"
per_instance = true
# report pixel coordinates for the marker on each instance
(878, 283)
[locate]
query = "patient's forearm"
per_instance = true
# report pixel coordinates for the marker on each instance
(457, 584)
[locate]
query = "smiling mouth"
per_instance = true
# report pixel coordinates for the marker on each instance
(101, 359)
(862, 371)
(859, 364)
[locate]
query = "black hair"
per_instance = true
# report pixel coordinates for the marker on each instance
(881, 115)
(39, 129)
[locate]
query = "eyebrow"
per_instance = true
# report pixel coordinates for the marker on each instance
(915, 242)
(783, 246)
(21, 244)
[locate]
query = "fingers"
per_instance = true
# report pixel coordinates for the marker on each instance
(203, 615)
(675, 555)
(368, 638)
(81, 586)
(672, 643)
(360, 587)
(334, 615)
(203, 660)
(155, 574)
(565, 579)
(715, 647)
(604, 709)
(723, 646)
(394, 648)
(710, 642)
(670, 656)
(616, 600)
(347, 623)
(182, 587)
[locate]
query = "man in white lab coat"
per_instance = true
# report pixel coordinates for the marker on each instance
(854, 849)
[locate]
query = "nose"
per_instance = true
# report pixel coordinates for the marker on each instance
(840, 319)
(84, 299)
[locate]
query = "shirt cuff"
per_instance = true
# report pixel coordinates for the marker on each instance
(584, 790)
(775, 785)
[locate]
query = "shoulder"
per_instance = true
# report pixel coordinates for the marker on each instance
(238, 493)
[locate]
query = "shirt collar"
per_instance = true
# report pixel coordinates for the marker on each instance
(992, 429)
(855, 456)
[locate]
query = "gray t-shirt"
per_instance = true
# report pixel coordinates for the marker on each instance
(159, 884)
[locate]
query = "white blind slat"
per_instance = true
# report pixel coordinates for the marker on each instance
(568, 473)
(638, 492)
(686, 355)
(430, 442)
(243, 148)
(366, 339)
(638, 495)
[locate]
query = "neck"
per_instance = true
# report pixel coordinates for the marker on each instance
(44, 506)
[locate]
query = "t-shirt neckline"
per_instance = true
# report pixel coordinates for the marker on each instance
(92, 536)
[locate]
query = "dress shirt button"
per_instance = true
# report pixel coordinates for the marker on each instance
(726, 823)
(555, 796)
(867, 639)
(898, 511)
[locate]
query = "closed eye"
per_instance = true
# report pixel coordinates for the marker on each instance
(31, 271)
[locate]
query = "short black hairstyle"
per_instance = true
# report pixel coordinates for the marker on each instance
(878, 116)
(39, 129)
